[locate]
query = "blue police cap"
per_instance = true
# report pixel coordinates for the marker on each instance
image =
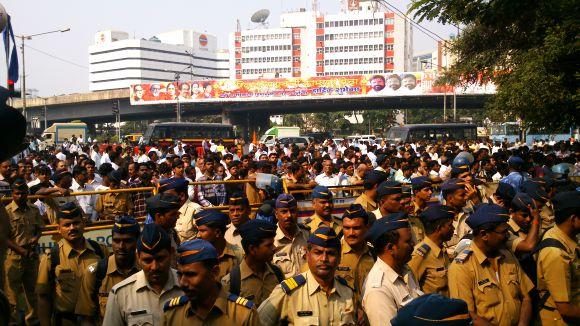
(388, 223)
(194, 251)
(566, 200)
(515, 161)
(487, 213)
(433, 309)
(452, 185)
(505, 192)
(355, 211)
(381, 158)
(162, 202)
(324, 237)
(374, 177)
(211, 217)
(179, 184)
(286, 201)
(153, 239)
(69, 210)
(20, 185)
(238, 199)
(460, 169)
(321, 192)
(419, 183)
(266, 212)
(115, 175)
(438, 212)
(535, 190)
(126, 225)
(389, 188)
(256, 230)
(521, 202)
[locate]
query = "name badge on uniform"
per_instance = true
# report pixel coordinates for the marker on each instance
(440, 269)
(343, 268)
(281, 254)
(140, 318)
(304, 313)
(482, 282)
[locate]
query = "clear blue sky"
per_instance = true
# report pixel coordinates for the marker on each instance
(142, 18)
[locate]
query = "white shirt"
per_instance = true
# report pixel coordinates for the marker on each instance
(105, 158)
(327, 181)
(86, 202)
(95, 156)
(385, 292)
(143, 159)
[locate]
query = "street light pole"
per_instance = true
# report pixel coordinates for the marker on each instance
(45, 123)
(23, 88)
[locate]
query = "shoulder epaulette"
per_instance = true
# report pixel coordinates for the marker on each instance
(463, 256)
(175, 302)
(343, 282)
(307, 221)
(129, 280)
(290, 284)
(423, 249)
(241, 301)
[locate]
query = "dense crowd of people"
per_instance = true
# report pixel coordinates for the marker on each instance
(449, 232)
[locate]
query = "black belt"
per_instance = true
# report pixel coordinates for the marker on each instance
(548, 308)
(68, 316)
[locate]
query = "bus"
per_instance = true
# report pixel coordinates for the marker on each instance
(432, 132)
(511, 132)
(190, 133)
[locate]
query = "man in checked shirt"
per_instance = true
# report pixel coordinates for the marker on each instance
(144, 180)
(212, 194)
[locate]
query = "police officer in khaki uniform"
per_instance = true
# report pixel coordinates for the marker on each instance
(239, 213)
(524, 225)
(164, 209)
(185, 227)
(489, 277)
(422, 191)
(454, 195)
(139, 299)
(291, 237)
(111, 205)
(429, 262)
(61, 268)
(390, 197)
(368, 199)
(315, 297)
(21, 264)
(322, 202)
(356, 259)
(558, 264)
(205, 301)
(390, 284)
(255, 277)
(99, 278)
(211, 226)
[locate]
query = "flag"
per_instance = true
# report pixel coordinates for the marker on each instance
(11, 56)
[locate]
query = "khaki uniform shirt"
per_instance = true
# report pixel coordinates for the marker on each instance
(111, 205)
(367, 203)
(233, 236)
(86, 305)
(429, 264)
(547, 217)
(355, 266)
(231, 256)
(315, 221)
(290, 254)
(308, 304)
(385, 292)
(417, 228)
(133, 301)
(516, 236)
(185, 225)
(461, 229)
(558, 274)
(497, 297)
(24, 224)
(253, 287)
(224, 312)
(65, 289)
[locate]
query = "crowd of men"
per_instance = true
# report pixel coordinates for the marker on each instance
(438, 233)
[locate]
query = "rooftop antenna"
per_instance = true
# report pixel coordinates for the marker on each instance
(260, 17)
(238, 26)
(314, 5)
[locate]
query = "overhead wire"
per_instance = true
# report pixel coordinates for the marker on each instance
(56, 57)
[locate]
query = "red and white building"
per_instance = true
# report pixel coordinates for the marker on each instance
(362, 39)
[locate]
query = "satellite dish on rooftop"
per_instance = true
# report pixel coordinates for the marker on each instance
(260, 16)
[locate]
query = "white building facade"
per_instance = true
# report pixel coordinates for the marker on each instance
(116, 61)
(360, 40)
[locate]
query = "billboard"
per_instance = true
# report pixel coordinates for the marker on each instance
(328, 87)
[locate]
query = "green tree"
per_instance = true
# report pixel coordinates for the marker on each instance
(528, 49)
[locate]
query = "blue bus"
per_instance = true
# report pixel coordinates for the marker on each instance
(511, 132)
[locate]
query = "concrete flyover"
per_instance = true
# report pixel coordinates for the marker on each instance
(96, 107)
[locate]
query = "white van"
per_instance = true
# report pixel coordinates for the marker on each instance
(361, 138)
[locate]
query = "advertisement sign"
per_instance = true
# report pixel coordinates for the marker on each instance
(331, 87)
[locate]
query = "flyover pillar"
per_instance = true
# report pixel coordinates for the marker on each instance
(247, 123)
